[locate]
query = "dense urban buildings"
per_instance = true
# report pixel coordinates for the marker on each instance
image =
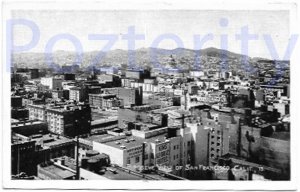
(154, 124)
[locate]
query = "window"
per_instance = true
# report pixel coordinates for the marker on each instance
(146, 156)
(189, 143)
(137, 159)
(128, 160)
(174, 147)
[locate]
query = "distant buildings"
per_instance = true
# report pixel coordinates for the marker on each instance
(52, 82)
(130, 96)
(137, 74)
(69, 76)
(128, 118)
(197, 73)
(104, 101)
(77, 94)
(176, 122)
(27, 73)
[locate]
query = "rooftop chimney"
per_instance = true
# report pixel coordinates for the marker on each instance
(182, 121)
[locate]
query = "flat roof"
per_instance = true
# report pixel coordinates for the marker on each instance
(121, 175)
(106, 120)
(133, 141)
(18, 139)
(149, 125)
(20, 123)
(129, 142)
(63, 173)
(50, 140)
(99, 138)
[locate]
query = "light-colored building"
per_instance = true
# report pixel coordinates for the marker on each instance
(37, 112)
(143, 148)
(197, 73)
(77, 94)
(52, 83)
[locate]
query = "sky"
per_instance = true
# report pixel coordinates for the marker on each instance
(185, 24)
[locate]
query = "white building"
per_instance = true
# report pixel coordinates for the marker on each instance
(52, 83)
(148, 148)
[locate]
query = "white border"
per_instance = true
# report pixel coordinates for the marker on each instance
(151, 5)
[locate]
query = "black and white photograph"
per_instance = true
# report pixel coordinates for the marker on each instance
(110, 92)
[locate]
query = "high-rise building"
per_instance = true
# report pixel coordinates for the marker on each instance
(52, 82)
(77, 94)
(69, 120)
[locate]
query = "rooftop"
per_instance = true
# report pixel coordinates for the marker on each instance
(24, 123)
(50, 140)
(108, 119)
(121, 174)
(18, 139)
(126, 142)
(58, 171)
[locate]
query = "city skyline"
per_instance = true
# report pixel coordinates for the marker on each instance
(152, 107)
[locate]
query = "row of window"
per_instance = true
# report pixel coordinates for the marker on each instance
(137, 159)
(176, 156)
(218, 143)
(176, 147)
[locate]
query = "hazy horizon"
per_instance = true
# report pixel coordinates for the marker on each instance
(182, 23)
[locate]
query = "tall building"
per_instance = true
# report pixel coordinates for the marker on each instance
(22, 155)
(52, 82)
(104, 101)
(77, 94)
(137, 74)
(37, 112)
(130, 96)
(62, 118)
(69, 120)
